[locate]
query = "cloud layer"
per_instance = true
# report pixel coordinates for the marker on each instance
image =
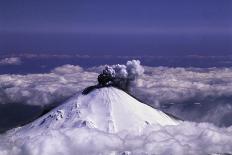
(10, 61)
(45, 89)
(189, 93)
(179, 84)
(186, 138)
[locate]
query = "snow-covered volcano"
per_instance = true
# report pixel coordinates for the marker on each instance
(109, 121)
(107, 109)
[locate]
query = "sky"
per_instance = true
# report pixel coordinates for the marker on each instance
(123, 27)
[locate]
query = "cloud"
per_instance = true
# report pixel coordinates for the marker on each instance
(45, 89)
(176, 90)
(186, 138)
(121, 76)
(179, 84)
(10, 61)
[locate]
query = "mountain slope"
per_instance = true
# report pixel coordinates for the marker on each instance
(107, 109)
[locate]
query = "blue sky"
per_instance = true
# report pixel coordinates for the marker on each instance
(123, 26)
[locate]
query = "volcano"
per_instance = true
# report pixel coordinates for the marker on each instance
(107, 109)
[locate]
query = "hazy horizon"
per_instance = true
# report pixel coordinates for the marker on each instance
(156, 28)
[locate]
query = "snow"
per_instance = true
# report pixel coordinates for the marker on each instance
(107, 109)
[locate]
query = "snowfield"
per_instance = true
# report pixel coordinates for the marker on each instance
(107, 109)
(109, 121)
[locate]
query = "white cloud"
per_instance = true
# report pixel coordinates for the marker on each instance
(45, 89)
(179, 84)
(10, 61)
(186, 138)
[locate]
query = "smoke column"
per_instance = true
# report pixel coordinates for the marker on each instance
(121, 76)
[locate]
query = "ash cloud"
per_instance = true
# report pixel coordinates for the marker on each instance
(121, 76)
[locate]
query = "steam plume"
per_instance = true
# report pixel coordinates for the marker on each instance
(121, 76)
